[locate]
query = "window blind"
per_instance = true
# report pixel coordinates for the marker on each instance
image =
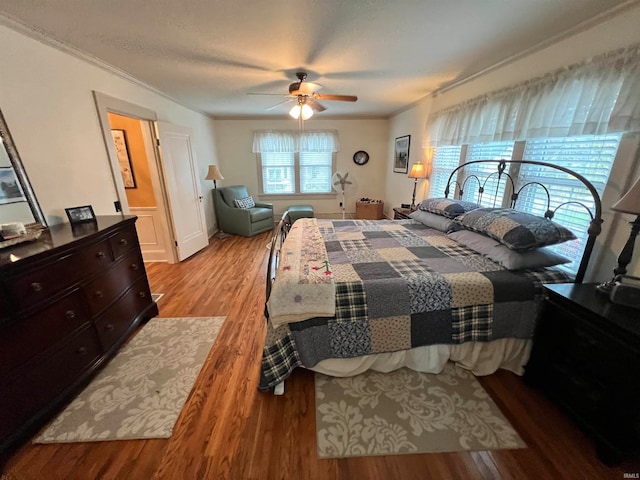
(445, 159)
(493, 190)
(590, 155)
(315, 172)
(278, 172)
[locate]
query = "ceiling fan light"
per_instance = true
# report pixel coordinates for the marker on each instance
(307, 112)
(295, 112)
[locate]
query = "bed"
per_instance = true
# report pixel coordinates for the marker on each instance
(345, 296)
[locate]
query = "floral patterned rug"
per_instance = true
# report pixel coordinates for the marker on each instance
(141, 392)
(408, 412)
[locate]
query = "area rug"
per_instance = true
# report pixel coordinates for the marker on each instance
(141, 392)
(156, 296)
(408, 412)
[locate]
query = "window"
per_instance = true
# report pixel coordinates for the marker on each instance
(278, 172)
(487, 173)
(446, 158)
(590, 155)
(296, 162)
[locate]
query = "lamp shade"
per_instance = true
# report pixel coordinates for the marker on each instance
(301, 109)
(214, 173)
(630, 202)
(417, 171)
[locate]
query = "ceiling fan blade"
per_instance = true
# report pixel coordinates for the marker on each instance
(279, 104)
(317, 106)
(259, 93)
(308, 88)
(342, 98)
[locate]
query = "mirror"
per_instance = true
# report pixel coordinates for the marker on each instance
(18, 203)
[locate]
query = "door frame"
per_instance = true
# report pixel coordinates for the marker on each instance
(106, 104)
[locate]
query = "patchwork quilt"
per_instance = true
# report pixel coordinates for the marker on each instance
(399, 285)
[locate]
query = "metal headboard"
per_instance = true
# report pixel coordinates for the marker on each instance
(595, 226)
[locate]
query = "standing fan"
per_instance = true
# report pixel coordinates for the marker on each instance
(341, 183)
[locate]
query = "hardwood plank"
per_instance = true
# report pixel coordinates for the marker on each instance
(230, 430)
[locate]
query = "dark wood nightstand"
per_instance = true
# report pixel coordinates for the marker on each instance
(401, 213)
(586, 358)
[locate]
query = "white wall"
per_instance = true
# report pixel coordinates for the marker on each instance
(46, 98)
(399, 186)
(234, 140)
(617, 32)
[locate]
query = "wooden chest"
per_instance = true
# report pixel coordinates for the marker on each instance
(370, 210)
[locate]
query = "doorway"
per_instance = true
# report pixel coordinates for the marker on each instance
(168, 172)
(143, 190)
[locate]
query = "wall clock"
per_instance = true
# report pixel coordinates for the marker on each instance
(360, 157)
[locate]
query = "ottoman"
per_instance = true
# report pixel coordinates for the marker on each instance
(300, 211)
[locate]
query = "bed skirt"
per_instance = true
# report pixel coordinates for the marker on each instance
(481, 358)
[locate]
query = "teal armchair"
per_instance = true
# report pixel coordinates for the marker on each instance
(241, 221)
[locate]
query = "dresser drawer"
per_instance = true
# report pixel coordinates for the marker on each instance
(102, 291)
(589, 351)
(36, 286)
(33, 387)
(117, 320)
(32, 335)
(123, 241)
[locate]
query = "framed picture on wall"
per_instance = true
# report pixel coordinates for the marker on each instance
(122, 149)
(401, 157)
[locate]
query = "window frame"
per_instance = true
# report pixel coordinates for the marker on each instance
(296, 192)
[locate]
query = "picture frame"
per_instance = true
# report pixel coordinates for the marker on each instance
(124, 159)
(401, 155)
(81, 214)
(10, 189)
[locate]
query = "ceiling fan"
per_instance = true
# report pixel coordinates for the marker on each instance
(307, 96)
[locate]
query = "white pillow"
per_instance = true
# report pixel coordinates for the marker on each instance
(433, 220)
(509, 259)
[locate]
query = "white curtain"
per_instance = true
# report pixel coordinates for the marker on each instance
(601, 95)
(293, 141)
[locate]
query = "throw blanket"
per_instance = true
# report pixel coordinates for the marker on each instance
(304, 286)
(401, 285)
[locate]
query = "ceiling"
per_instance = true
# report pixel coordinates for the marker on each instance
(209, 54)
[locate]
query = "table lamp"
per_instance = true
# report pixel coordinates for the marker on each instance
(629, 203)
(417, 171)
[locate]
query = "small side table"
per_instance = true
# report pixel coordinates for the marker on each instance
(401, 213)
(585, 358)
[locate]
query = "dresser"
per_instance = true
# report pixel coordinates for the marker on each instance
(68, 301)
(586, 358)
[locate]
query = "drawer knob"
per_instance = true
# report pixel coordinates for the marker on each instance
(70, 314)
(123, 241)
(82, 351)
(142, 294)
(134, 266)
(100, 255)
(99, 294)
(36, 286)
(109, 327)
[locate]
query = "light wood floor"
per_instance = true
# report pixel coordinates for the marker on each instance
(229, 430)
